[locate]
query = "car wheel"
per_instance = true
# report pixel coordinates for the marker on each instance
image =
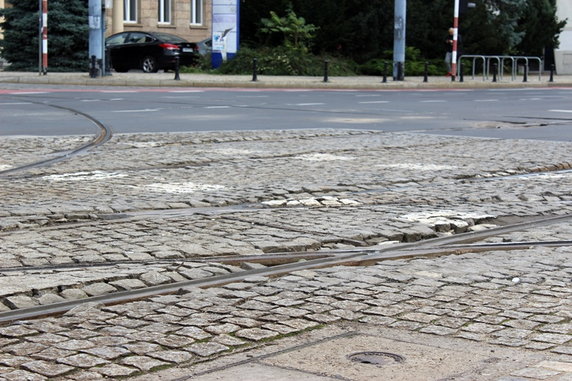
(149, 65)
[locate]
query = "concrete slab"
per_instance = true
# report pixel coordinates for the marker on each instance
(261, 372)
(322, 355)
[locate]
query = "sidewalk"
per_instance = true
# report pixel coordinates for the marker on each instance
(263, 81)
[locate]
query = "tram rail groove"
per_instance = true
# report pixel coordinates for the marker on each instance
(104, 135)
(288, 256)
(357, 257)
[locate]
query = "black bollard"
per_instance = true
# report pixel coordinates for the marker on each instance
(177, 67)
(552, 67)
(525, 76)
(400, 74)
(384, 72)
(425, 72)
(254, 70)
(93, 67)
(107, 63)
(495, 69)
(326, 70)
(461, 77)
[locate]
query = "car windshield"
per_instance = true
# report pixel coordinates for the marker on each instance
(166, 37)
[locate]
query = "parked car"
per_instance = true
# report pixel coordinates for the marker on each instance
(149, 51)
(205, 46)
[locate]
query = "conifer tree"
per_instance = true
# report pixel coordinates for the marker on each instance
(68, 35)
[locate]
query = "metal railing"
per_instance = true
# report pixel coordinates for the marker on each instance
(487, 60)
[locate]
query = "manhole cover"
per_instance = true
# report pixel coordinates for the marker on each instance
(376, 358)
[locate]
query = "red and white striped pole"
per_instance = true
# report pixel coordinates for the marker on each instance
(455, 38)
(44, 39)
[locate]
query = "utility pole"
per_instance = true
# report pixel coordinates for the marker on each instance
(400, 21)
(43, 37)
(96, 23)
(455, 39)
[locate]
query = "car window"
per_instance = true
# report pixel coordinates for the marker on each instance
(138, 38)
(116, 39)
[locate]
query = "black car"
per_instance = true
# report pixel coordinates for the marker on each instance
(149, 51)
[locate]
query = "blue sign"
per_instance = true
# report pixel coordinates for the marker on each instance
(225, 33)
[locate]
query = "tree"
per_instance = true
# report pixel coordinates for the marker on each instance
(296, 33)
(68, 35)
(540, 26)
(363, 29)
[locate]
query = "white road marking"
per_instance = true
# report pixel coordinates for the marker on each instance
(30, 92)
(142, 110)
(307, 104)
(569, 111)
(486, 100)
(118, 91)
(15, 103)
(187, 91)
(90, 100)
(211, 107)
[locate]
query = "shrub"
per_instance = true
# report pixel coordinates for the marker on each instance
(285, 61)
(414, 64)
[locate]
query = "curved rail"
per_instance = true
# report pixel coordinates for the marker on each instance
(453, 245)
(104, 135)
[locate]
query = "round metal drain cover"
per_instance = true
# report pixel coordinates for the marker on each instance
(376, 358)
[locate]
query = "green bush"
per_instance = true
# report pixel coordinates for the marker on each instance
(285, 61)
(414, 64)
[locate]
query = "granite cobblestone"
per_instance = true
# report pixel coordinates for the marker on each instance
(233, 201)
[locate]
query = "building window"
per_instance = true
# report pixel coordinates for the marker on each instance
(130, 10)
(196, 12)
(164, 11)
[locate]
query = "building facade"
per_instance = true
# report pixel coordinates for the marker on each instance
(563, 55)
(190, 19)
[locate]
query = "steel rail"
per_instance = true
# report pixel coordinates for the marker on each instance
(289, 256)
(349, 258)
(104, 135)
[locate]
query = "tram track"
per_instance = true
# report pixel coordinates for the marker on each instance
(103, 136)
(285, 263)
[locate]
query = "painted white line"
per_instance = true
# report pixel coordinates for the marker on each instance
(30, 92)
(187, 91)
(211, 107)
(116, 99)
(118, 91)
(373, 102)
(568, 111)
(486, 100)
(15, 103)
(307, 104)
(142, 110)
(90, 100)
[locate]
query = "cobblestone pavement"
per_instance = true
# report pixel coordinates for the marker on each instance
(147, 209)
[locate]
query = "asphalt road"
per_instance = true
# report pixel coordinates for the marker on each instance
(530, 113)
